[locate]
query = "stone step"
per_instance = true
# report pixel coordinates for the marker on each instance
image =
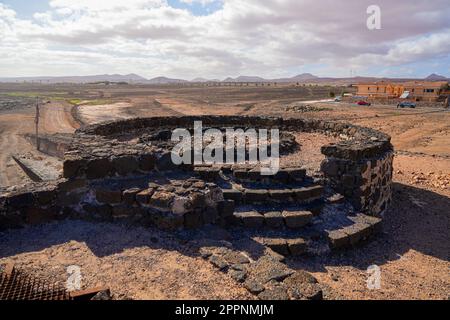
(287, 247)
(284, 175)
(278, 218)
(363, 227)
(318, 239)
(301, 195)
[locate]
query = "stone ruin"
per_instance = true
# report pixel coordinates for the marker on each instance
(122, 171)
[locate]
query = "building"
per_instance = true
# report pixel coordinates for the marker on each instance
(415, 90)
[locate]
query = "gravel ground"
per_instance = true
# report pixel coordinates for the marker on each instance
(308, 155)
(412, 253)
(135, 263)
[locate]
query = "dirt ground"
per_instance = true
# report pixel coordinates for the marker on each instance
(142, 264)
(413, 251)
(55, 117)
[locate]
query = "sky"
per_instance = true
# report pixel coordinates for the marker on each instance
(220, 38)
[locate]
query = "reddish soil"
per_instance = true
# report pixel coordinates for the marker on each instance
(412, 253)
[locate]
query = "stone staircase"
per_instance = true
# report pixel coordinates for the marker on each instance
(291, 214)
(335, 229)
(273, 195)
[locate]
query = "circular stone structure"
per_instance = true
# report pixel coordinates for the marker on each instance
(123, 170)
(359, 167)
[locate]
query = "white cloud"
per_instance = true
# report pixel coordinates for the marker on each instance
(267, 38)
(102, 5)
(202, 2)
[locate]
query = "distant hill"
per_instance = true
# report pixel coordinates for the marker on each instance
(80, 79)
(200, 80)
(246, 79)
(304, 78)
(203, 80)
(165, 80)
(435, 77)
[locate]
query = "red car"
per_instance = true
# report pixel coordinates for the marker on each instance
(364, 103)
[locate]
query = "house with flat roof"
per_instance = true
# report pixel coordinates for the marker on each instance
(415, 90)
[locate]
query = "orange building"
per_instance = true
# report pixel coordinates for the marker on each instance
(416, 90)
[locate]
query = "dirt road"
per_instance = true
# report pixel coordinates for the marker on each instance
(55, 117)
(12, 126)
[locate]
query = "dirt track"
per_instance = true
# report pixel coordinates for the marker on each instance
(55, 117)
(11, 141)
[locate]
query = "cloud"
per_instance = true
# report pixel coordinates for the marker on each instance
(104, 5)
(269, 38)
(202, 2)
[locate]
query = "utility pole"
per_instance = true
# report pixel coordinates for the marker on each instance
(36, 121)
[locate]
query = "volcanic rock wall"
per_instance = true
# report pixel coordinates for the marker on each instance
(359, 167)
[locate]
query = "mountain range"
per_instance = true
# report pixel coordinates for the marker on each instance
(79, 79)
(134, 78)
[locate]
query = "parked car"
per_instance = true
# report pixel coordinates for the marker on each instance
(338, 99)
(363, 103)
(406, 104)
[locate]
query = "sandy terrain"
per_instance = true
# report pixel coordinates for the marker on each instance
(99, 113)
(135, 263)
(308, 154)
(413, 252)
(54, 117)
(11, 126)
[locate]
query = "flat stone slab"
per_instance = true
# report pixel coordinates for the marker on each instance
(357, 232)
(108, 196)
(256, 196)
(232, 194)
(241, 174)
(296, 174)
(284, 195)
(208, 173)
(278, 245)
(238, 275)
(39, 167)
(297, 219)
(297, 246)
(373, 222)
(303, 286)
(362, 228)
(338, 239)
(144, 196)
(218, 262)
(129, 195)
(274, 219)
(267, 269)
(253, 286)
(278, 292)
(226, 208)
(250, 219)
(235, 258)
(308, 194)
